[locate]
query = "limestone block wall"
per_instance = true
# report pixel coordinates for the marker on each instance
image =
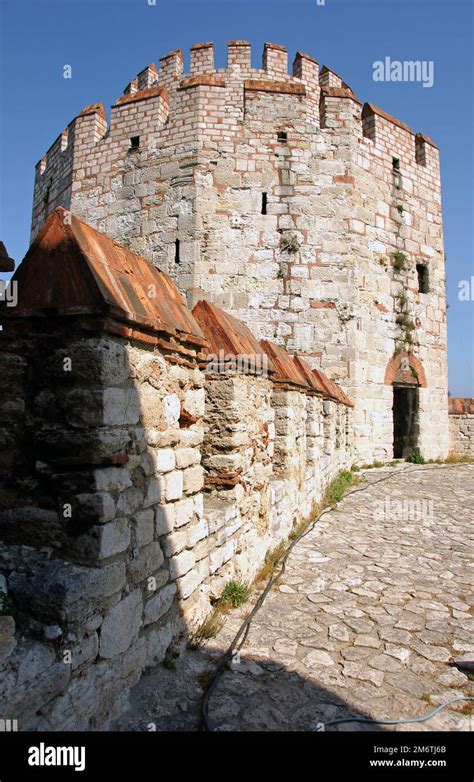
(461, 426)
(136, 488)
(105, 515)
(399, 211)
(238, 452)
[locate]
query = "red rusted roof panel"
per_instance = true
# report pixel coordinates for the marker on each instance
(461, 406)
(230, 340)
(333, 390)
(287, 371)
(72, 269)
(324, 382)
(311, 379)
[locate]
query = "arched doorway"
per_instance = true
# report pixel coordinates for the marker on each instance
(406, 375)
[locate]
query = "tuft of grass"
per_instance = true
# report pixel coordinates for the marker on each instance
(289, 243)
(400, 208)
(415, 457)
(453, 458)
(303, 525)
(373, 466)
(458, 458)
(235, 594)
(208, 629)
(271, 562)
(405, 322)
(338, 487)
(399, 260)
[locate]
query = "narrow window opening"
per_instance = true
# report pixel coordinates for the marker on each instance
(282, 137)
(397, 174)
(134, 142)
(423, 278)
(177, 251)
(264, 203)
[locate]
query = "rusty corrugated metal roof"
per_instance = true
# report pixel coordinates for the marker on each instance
(324, 382)
(229, 337)
(287, 372)
(461, 406)
(72, 269)
(333, 390)
(311, 379)
(345, 398)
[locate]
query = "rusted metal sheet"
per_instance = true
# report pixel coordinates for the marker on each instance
(345, 398)
(311, 379)
(460, 406)
(231, 343)
(7, 264)
(325, 384)
(333, 391)
(287, 371)
(72, 269)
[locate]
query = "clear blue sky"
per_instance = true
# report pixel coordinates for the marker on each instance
(107, 43)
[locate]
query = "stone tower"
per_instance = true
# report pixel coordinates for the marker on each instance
(281, 198)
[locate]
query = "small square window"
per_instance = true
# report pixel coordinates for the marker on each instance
(396, 163)
(282, 137)
(134, 142)
(423, 278)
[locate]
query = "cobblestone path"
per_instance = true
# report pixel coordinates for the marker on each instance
(375, 602)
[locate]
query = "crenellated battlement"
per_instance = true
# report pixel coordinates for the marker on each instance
(323, 91)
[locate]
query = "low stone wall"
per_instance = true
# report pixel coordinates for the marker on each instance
(461, 426)
(100, 540)
(112, 552)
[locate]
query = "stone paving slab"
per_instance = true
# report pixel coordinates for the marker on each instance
(375, 602)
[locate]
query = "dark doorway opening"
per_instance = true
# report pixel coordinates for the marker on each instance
(405, 420)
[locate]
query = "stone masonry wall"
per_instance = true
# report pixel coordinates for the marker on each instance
(135, 488)
(276, 196)
(461, 426)
(97, 572)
